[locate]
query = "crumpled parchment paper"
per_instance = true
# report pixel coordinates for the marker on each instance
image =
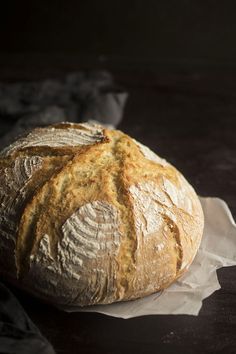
(185, 296)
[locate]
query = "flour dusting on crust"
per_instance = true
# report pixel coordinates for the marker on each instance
(91, 234)
(55, 137)
(13, 188)
(154, 235)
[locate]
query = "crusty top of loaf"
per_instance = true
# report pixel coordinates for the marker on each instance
(89, 215)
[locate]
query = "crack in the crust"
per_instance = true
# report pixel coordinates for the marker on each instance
(27, 191)
(123, 199)
(49, 151)
(168, 197)
(176, 234)
(122, 193)
(55, 151)
(175, 206)
(22, 255)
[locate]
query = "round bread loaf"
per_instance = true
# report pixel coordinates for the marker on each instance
(90, 216)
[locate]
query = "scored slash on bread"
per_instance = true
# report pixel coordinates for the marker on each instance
(90, 216)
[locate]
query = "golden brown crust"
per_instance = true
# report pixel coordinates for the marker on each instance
(101, 218)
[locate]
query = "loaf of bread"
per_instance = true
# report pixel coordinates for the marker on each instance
(90, 216)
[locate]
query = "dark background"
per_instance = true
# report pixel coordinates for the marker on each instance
(184, 36)
(177, 60)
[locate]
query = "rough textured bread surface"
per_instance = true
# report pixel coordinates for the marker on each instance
(91, 216)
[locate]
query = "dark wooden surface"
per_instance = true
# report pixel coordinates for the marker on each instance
(190, 119)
